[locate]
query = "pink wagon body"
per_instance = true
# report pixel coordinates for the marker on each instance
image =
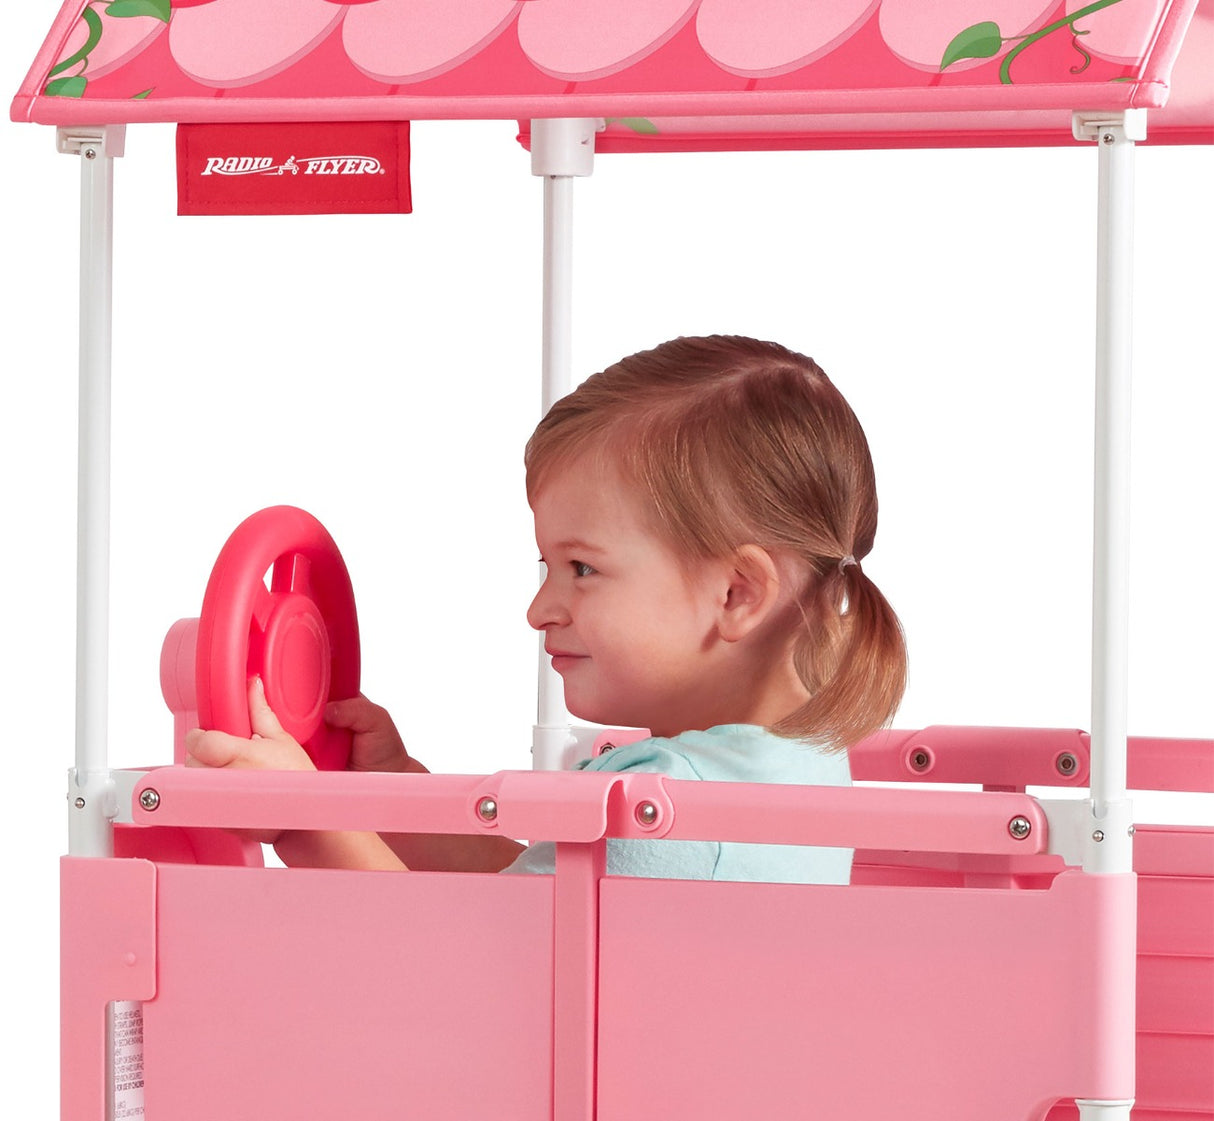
(956, 947)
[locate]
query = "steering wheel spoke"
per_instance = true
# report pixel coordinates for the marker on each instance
(292, 573)
(263, 600)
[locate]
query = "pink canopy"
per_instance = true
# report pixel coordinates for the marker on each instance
(685, 74)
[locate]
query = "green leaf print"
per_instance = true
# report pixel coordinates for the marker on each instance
(93, 20)
(124, 9)
(66, 87)
(640, 125)
(982, 40)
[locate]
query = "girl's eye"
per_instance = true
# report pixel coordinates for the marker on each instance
(581, 568)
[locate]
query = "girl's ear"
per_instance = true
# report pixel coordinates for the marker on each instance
(752, 593)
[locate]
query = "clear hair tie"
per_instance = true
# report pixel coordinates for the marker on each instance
(849, 559)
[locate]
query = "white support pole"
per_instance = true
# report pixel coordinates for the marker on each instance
(1107, 834)
(92, 804)
(1109, 844)
(560, 150)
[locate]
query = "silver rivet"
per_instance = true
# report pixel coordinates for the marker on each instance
(921, 760)
(90, 153)
(149, 799)
(1020, 827)
(1098, 836)
(606, 747)
(1066, 763)
(647, 813)
(1130, 832)
(1108, 138)
(486, 809)
(79, 803)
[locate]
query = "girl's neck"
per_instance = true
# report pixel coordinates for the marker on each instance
(763, 697)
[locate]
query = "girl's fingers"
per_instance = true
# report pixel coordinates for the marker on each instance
(357, 714)
(261, 717)
(215, 749)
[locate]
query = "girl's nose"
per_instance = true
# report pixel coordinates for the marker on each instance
(546, 609)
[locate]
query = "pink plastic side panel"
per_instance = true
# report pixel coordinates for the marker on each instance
(1176, 997)
(767, 1000)
(168, 845)
(1175, 964)
(1178, 915)
(310, 994)
(108, 952)
(1174, 850)
(579, 868)
(1175, 971)
(1177, 1073)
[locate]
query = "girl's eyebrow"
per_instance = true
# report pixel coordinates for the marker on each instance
(577, 545)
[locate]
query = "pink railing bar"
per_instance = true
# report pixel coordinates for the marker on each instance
(186, 796)
(1025, 757)
(579, 807)
(1171, 764)
(983, 755)
(860, 817)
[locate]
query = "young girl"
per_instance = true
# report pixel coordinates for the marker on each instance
(702, 510)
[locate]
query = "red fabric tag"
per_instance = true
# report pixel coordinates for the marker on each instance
(359, 167)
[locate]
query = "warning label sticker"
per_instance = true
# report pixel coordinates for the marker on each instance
(126, 1060)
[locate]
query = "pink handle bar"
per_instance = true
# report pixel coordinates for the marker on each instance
(584, 807)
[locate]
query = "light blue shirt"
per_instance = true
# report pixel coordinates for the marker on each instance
(726, 753)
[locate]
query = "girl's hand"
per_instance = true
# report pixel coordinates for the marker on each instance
(269, 749)
(377, 745)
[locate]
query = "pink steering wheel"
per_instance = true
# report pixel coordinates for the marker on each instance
(300, 635)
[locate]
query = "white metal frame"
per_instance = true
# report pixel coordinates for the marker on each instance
(1108, 840)
(91, 797)
(1109, 849)
(561, 149)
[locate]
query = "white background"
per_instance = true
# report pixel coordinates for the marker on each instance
(382, 372)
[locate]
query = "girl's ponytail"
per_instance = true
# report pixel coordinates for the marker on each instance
(852, 657)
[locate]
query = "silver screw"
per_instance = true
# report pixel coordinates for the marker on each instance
(1020, 827)
(1130, 832)
(647, 813)
(90, 153)
(1098, 836)
(149, 799)
(1108, 138)
(486, 809)
(1067, 764)
(79, 803)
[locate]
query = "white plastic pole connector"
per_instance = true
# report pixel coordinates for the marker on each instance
(91, 800)
(1110, 848)
(1104, 1111)
(560, 150)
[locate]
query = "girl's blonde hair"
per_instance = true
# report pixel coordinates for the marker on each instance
(732, 441)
